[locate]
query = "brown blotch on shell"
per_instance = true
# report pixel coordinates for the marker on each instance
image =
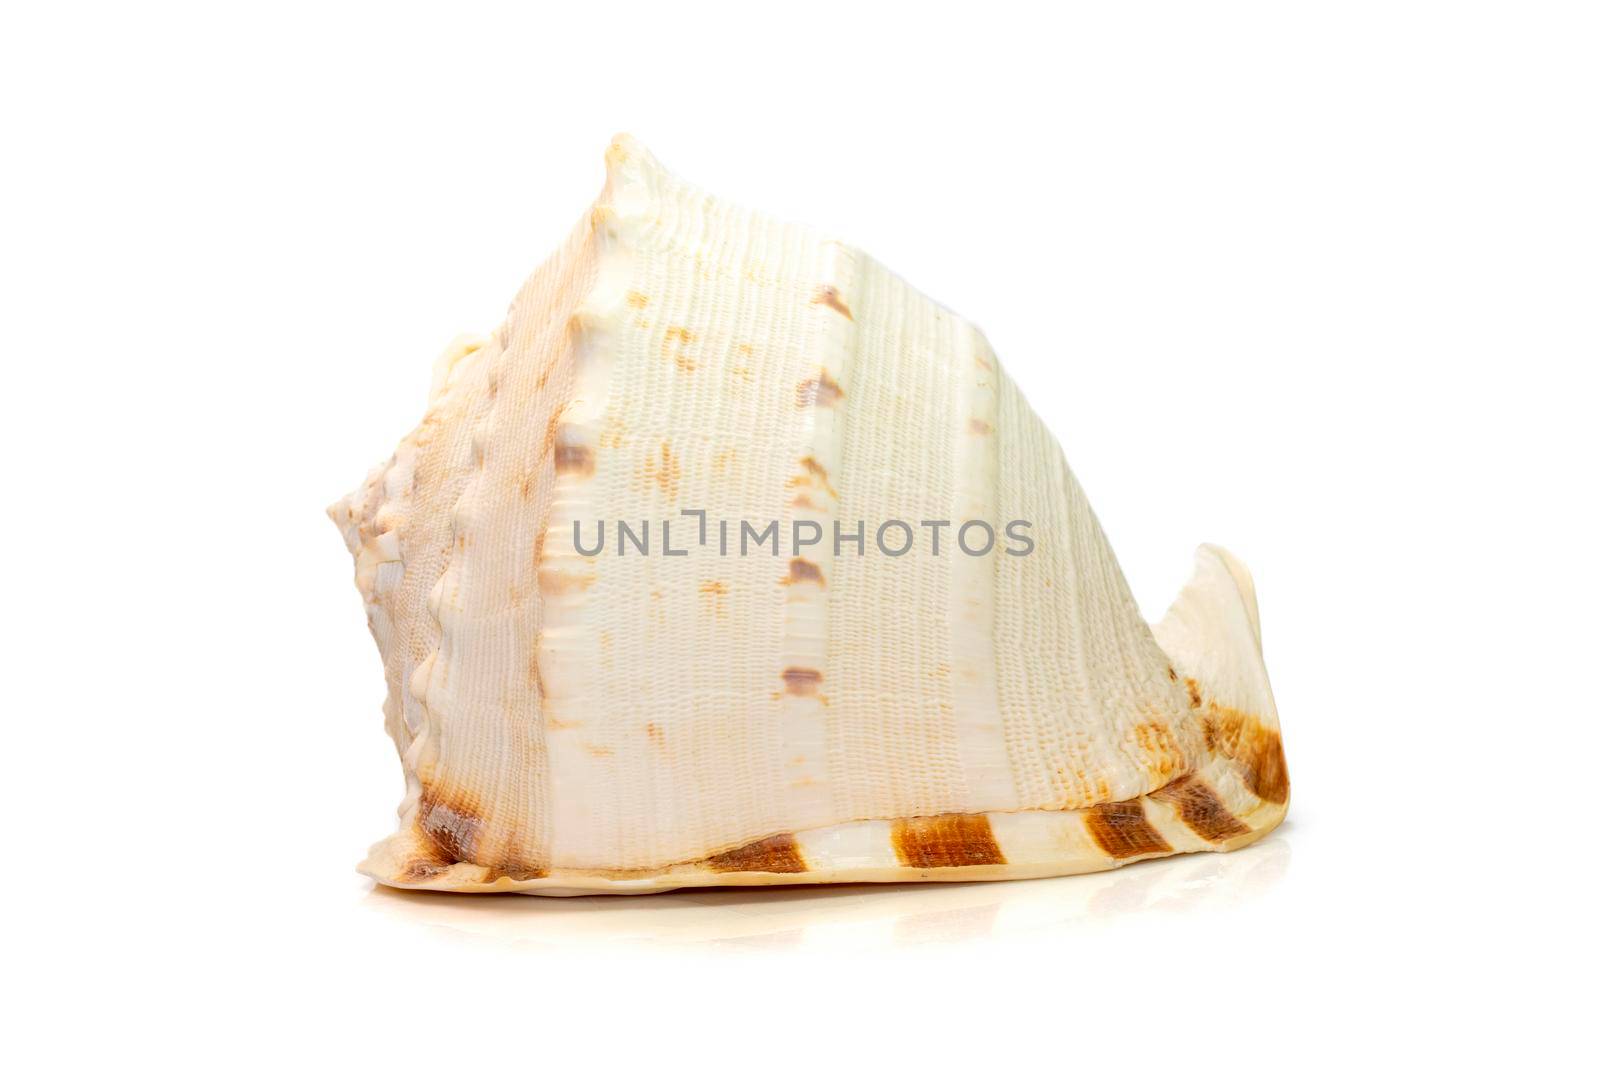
(554, 581)
(535, 676)
(673, 344)
(816, 475)
(572, 455)
(802, 681)
(979, 427)
(614, 434)
(946, 841)
(1256, 749)
(1200, 808)
(777, 854)
(515, 874)
(1157, 742)
(740, 366)
(821, 390)
(1172, 675)
(803, 570)
(421, 869)
(664, 470)
(1194, 692)
(637, 299)
(575, 459)
(1121, 830)
(712, 591)
(449, 823)
(829, 297)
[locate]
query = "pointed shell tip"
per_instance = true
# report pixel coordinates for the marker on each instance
(626, 155)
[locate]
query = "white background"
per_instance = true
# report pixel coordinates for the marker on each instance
(1319, 284)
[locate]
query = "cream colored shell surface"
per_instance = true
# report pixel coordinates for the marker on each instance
(634, 722)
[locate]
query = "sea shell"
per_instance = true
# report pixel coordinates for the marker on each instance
(666, 713)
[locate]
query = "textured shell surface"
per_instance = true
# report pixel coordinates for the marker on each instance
(788, 661)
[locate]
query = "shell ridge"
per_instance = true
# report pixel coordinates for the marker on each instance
(991, 778)
(805, 737)
(377, 519)
(508, 809)
(567, 651)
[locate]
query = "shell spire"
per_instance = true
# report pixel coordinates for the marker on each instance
(729, 558)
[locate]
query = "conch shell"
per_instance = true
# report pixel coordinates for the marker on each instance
(681, 709)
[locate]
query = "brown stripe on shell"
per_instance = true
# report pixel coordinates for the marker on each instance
(829, 297)
(1256, 749)
(946, 841)
(778, 854)
(1121, 830)
(1200, 808)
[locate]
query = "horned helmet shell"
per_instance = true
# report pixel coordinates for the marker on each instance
(731, 559)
